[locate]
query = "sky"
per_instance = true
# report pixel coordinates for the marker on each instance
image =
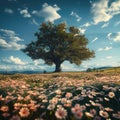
(99, 20)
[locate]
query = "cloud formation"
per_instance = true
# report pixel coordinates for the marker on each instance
(34, 22)
(94, 39)
(107, 48)
(108, 57)
(48, 12)
(82, 30)
(25, 13)
(9, 11)
(105, 25)
(114, 36)
(117, 23)
(9, 40)
(87, 24)
(16, 60)
(78, 18)
(103, 12)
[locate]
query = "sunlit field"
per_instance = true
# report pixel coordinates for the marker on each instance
(55, 96)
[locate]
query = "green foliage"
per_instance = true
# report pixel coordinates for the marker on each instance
(57, 43)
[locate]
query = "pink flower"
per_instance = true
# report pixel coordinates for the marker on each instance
(4, 108)
(58, 92)
(77, 111)
(104, 114)
(24, 112)
(76, 108)
(61, 113)
(111, 94)
(68, 95)
(78, 114)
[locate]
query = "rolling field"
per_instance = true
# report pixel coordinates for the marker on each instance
(65, 95)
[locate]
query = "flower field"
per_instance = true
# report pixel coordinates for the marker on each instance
(66, 96)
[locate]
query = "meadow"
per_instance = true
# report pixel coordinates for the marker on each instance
(65, 95)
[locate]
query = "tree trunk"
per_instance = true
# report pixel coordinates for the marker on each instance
(57, 67)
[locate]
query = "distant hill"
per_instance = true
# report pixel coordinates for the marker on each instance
(104, 68)
(20, 72)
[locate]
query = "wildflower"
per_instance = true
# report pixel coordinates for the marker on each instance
(78, 114)
(4, 108)
(89, 114)
(77, 111)
(63, 100)
(88, 105)
(54, 100)
(90, 96)
(93, 112)
(68, 103)
(51, 107)
(111, 94)
(107, 99)
(103, 114)
(61, 113)
(20, 98)
(27, 98)
(24, 112)
(24, 105)
(45, 101)
(17, 106)
(83, 107)
(108, 109)
(68, 95)
(58, 92)
(32, 107)
(76, 108)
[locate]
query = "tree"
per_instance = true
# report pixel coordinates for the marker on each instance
(57, 43)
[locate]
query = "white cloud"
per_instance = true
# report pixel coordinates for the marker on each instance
(70, 67)
(9, 40)
(14, 60)
(105, 49)
(94, 39)
(78, 18)
(86, 24)
(3, 43)
(100, 49)
(117, 37)
(117, 23)
(103, 12)
(108, 57)
(48, 12)
(10, 11)
(8, 32)
(109, 35)
(105, 25)
(34, 22)
(25, 13)
(38, 62)
(114, 36)
(82, 30)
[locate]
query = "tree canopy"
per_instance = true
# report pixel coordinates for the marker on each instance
(57, 43)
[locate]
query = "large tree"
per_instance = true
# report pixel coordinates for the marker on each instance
(57, 43)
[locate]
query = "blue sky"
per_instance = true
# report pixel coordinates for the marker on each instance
(99, 20)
